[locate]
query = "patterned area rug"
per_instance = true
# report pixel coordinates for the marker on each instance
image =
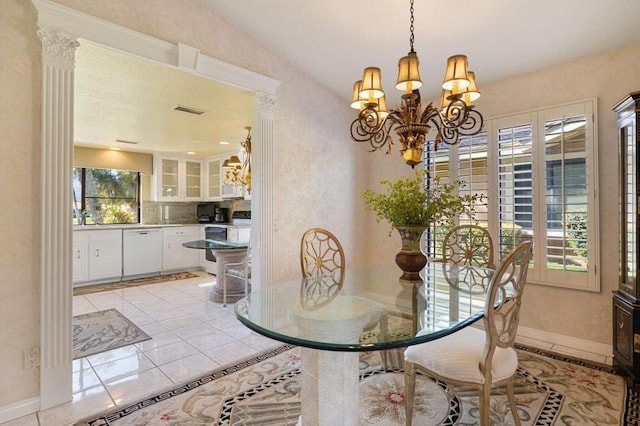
(102, 331)
(131, 283)
(265, 390)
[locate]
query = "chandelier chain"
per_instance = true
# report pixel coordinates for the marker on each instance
(411, 27)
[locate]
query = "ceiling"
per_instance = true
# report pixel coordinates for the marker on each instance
(333, 40)
(122, 97)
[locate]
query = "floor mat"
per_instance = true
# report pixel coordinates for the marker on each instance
(101, 331)
(550, 389)
(79, 291)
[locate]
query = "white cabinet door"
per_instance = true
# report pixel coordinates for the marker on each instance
(141, 251)
(80, 256)
(177, 179)
(105, 254)
(174, 255)
(214, 178)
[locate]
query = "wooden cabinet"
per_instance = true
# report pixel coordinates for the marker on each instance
(626, 300)
(102, 259)
(174, 255)
(177, 179)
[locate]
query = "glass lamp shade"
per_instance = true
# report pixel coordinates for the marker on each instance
(234, 161)
(409, 73)
(371, 84)
(445, 99)
(471, 93)
(357, 102)
(381, 109)
(456, 78)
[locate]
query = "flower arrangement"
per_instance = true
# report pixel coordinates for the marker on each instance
(406, 201)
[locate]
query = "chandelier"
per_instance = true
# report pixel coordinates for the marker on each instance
(239, 172)
(412, 122)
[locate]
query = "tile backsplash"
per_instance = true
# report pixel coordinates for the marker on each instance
(152, 212)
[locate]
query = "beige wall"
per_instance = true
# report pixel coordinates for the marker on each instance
(108, 159)
(570, 312)
(319, 173)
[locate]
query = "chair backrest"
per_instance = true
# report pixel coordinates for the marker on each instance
(321, 255)
(322, 263)
(502, 307)
(469, 245)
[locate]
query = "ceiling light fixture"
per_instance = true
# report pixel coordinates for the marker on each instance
(412, 123)
(239, 172)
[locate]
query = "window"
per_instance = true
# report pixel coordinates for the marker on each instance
(538, 170)
(106, 196)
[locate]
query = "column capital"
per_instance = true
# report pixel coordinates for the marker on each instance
(58, 44)
(267, 104)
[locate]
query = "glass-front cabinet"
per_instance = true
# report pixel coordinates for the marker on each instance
(177, 179)
(626, 300)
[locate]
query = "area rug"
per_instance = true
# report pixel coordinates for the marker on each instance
(264, 390)
(131, 283)
(101, 331)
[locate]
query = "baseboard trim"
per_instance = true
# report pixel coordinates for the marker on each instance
(19, 409)
(567, 341)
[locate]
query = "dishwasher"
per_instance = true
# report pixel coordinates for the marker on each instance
(141, 252)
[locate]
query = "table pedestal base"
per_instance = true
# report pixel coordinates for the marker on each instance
(330, 388)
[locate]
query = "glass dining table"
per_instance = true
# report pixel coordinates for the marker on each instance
(370, 309)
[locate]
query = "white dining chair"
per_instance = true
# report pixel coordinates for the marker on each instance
(473, 357)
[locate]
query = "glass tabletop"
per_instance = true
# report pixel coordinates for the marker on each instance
(371, 310)
(215, 245)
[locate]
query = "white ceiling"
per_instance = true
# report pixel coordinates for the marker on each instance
(121, 97)
(333, 40)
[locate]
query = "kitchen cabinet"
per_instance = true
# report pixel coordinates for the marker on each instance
(80, 256)
(102, 259)
(177, 179)
(174, 255)
(142, 252)
(214, 178)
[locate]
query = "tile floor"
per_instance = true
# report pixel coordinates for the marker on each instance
(190, 336)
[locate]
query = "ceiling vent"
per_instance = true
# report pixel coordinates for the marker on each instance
(129, 142)
(189, 110)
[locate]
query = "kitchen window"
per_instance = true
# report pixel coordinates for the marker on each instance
(538, 170)
(105, 196)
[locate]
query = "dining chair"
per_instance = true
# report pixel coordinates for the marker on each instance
(470, 245)
(238, 271)
(322, 257)
(474, 357)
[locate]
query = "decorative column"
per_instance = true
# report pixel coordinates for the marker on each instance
(58, 54)
(262, 190)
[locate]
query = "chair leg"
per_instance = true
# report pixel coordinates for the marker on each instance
(485, 406)
(512, 402)
(409, 391)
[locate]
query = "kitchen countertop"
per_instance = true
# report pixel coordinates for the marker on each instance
(156, 225)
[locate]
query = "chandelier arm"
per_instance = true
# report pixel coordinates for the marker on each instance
(473, 123)
(377, 135)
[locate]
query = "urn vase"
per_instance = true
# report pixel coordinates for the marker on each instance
(410, 258)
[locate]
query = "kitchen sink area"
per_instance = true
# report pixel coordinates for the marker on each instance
(113, 252)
